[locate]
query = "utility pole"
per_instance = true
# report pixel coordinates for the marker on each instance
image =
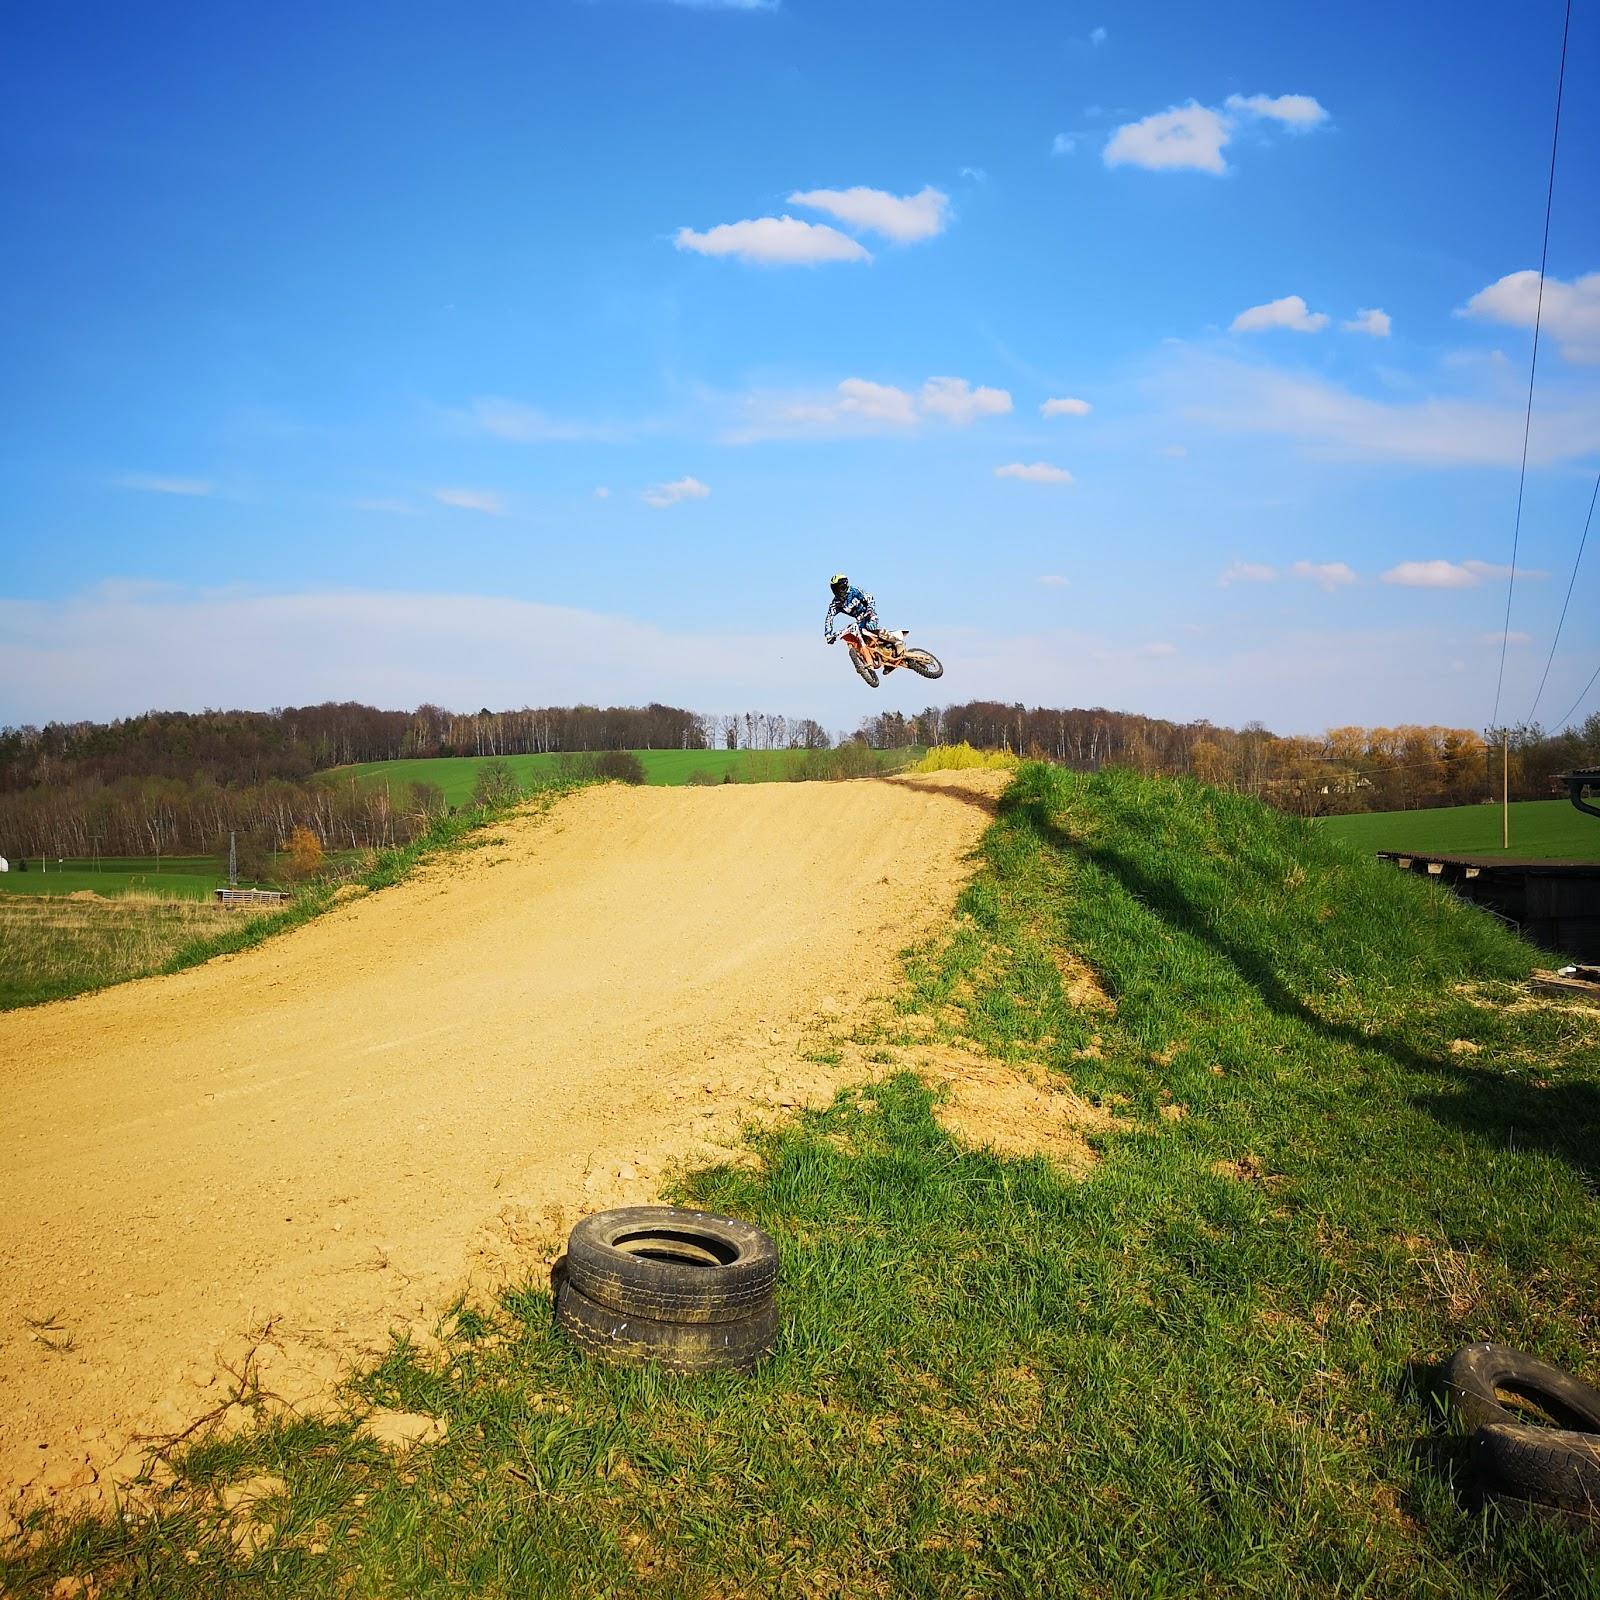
(1505, 789)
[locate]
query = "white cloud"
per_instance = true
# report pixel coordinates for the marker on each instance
(1039, 472)
(1294, 111)
(1451, 574)
(1097, 36)
(1374, 322)
(959, 403)
(903, 218)
(859, 406)
(150, 484)
(877, 402)
(602, 493)
(773, 241)
(1175, 452)
(1159, 648)
(1190, 136)
(669, 494)
(1289, 312)
(1236, 396)
(1066, 406)
(1571, 311)
(1063, 144)
(485, 500)
(1512, 638)
(1052, 580)
(395, 508)
(1247, 572)
(1327, 575)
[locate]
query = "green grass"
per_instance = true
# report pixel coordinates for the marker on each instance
(1200, 1370)
(455, 775)
(191, 877)
(1541, 829)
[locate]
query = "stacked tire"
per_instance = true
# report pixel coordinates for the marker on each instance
(685, 1290)
(1523, 1468)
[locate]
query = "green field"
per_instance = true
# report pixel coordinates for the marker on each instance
(1345, 1142)
(186, 877)
(1542, 829)
(457, 774)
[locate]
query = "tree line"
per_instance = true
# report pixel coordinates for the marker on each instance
(182, 782)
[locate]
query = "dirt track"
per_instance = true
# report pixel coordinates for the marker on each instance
(296, 1149)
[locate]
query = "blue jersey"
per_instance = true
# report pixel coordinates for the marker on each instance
(856, 603)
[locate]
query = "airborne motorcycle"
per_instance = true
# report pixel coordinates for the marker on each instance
(870, 658)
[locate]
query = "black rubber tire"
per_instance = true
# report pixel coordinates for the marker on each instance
(633, 1341)
(1545, 1466)
(869, 677)
(700, 1268)
(1476, 1371)
(924, 663)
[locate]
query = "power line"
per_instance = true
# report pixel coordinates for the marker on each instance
(1565, 603)
(1578, 702)
(1533, 366)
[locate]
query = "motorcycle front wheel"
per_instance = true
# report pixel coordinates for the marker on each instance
(925, 663)
(868, 676)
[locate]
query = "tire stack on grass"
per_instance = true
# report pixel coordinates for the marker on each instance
(1524, 1467)
(685, 1290)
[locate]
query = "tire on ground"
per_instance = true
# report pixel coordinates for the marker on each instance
(1547, 1467)
(686, 1347)
(672, 1265)
(1475, 1374)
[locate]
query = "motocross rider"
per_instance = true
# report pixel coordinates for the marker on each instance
(849, 601)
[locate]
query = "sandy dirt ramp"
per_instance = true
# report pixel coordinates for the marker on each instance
(280, 1156)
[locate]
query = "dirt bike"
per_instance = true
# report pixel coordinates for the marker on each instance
(870, 656)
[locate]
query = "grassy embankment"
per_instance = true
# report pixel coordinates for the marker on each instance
(58, 944)
(1348, 1144)
(456, 775)
(1542, 830)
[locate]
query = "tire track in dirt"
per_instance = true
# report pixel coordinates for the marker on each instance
(288, 1152)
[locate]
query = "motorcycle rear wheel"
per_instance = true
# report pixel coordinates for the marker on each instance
(924, 662)
(868, 676)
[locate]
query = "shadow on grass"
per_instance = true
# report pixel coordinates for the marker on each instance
(1563, 1120)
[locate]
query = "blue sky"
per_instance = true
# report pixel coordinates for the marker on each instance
(326, 327)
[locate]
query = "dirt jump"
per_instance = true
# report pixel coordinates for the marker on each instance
(249, 1173)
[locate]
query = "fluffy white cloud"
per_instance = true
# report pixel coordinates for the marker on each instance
(1236, 396)
(774, 241)
(1193, 136)
(1066, 406)
(150, 484)
(1296, 111)
(602, 493)
(903, 218)
(485, 500)
(958, 402)
(669, 494)
(1289, 312)
(1327, 575)
(1039, 472)
(1450, 574)
(509, 419)
(1190, 136)
(859, 406)
(1175, 452)
(1374, 322)
(1247, 572)
(877, 402)
(1571, 311)
(1097, 36)
(1051, 580)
